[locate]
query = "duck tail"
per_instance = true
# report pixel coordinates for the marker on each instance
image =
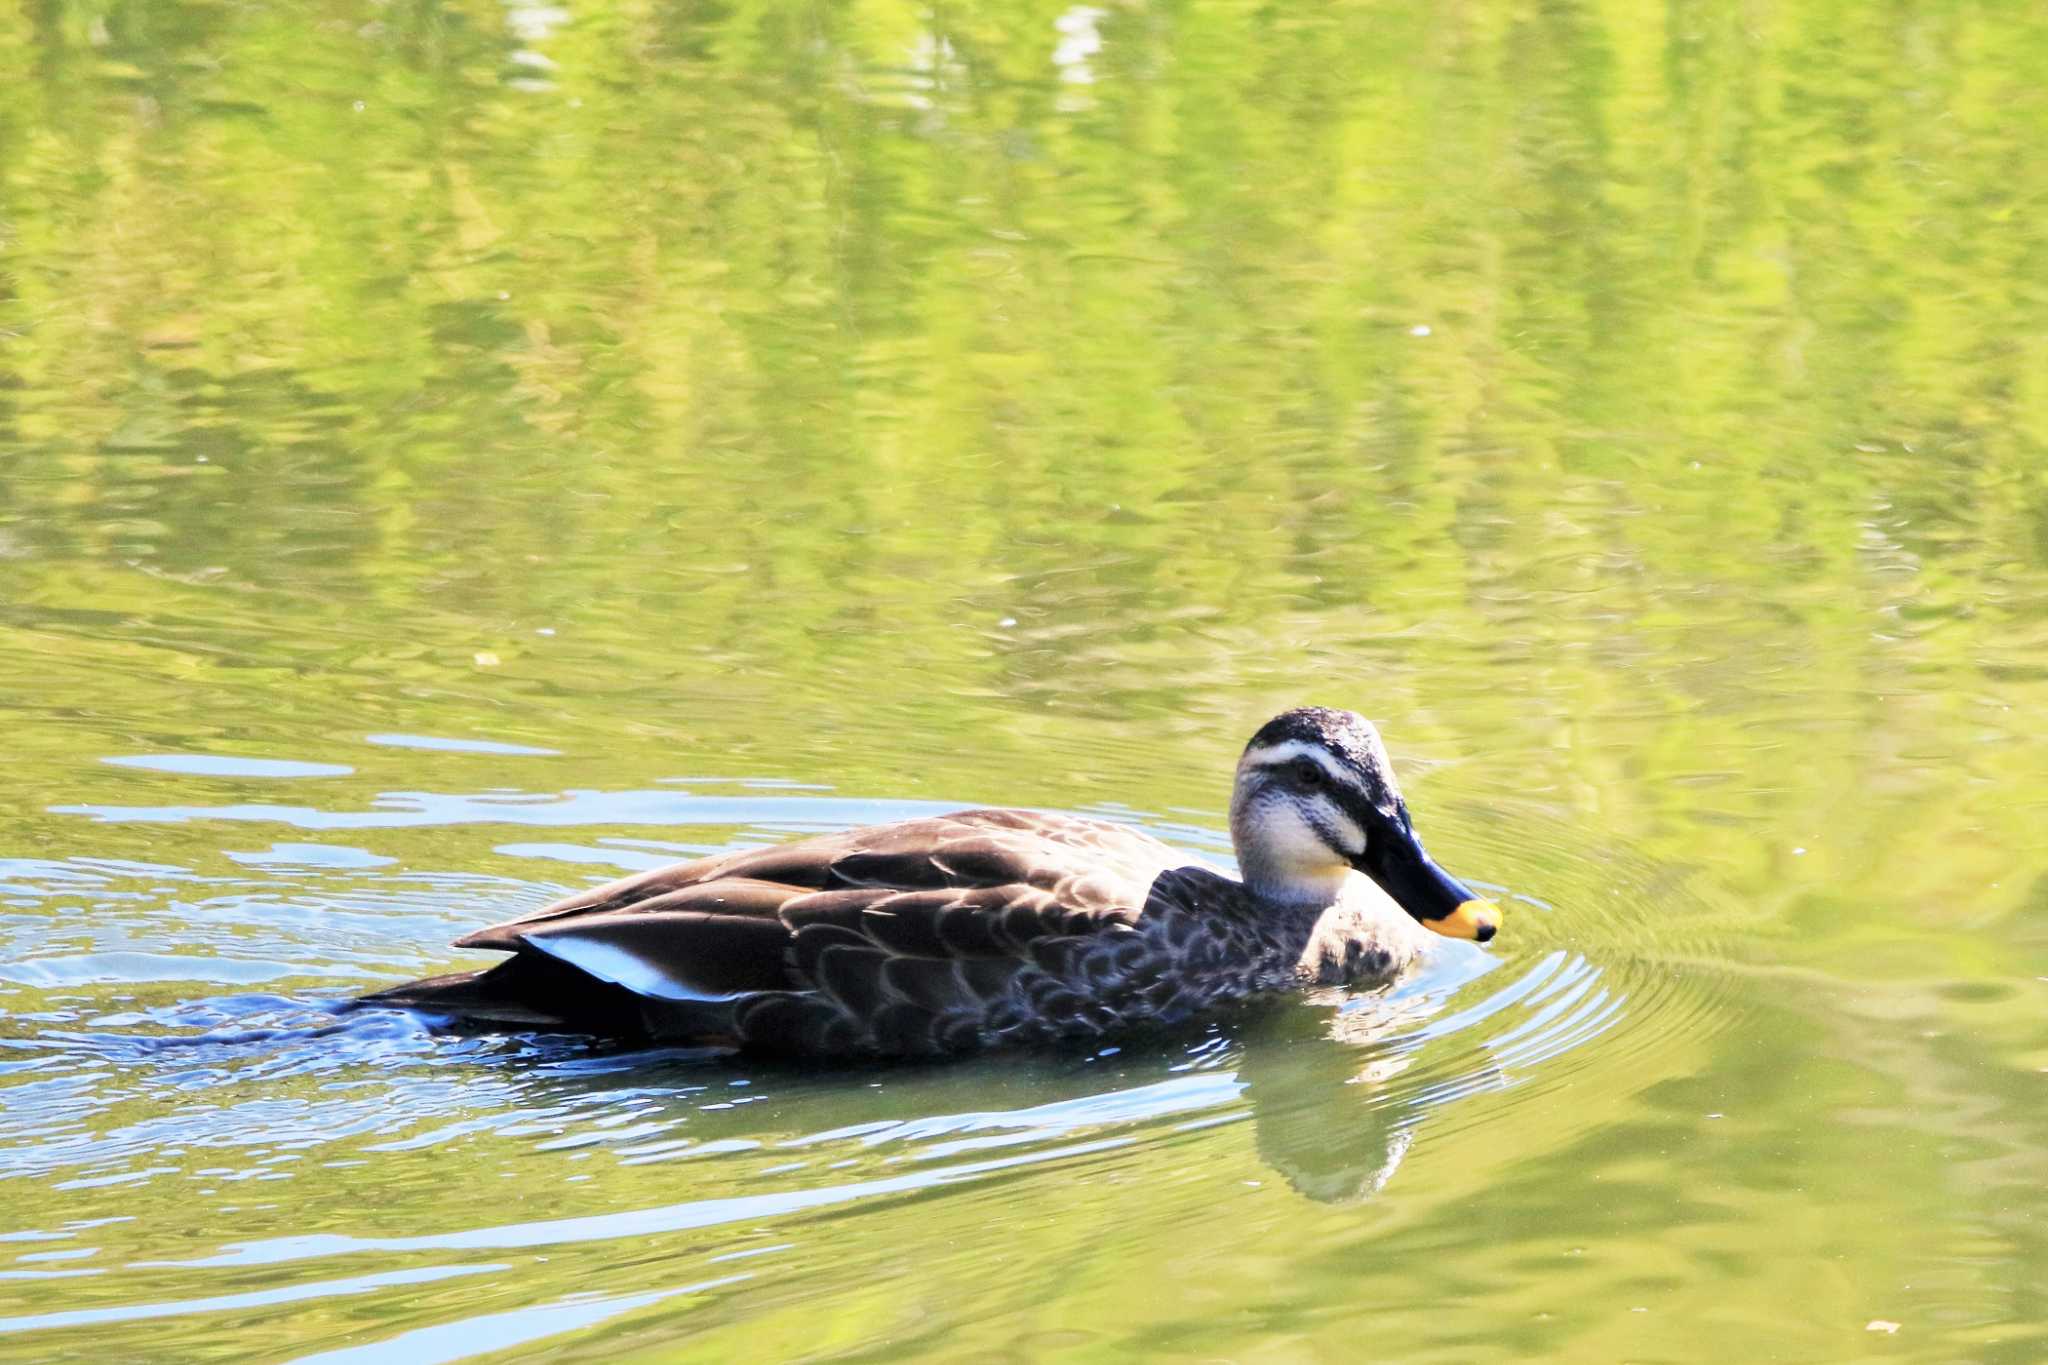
(489, 998)
(528, 992)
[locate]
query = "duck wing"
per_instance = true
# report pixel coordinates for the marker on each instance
(902, 938)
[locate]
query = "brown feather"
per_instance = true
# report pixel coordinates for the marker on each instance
(918, 937)
(932, 984)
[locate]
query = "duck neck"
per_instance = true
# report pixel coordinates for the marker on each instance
(1296, 888)
(1286, 873)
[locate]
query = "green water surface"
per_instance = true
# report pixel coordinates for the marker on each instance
(451, 453)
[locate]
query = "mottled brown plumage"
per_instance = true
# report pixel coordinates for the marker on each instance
(924, 938)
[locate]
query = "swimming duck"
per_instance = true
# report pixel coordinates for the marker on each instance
(988, 927)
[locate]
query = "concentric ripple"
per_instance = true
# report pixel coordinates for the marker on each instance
(127, 1076)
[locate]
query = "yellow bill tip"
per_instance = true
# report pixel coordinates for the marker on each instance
(1474, 919)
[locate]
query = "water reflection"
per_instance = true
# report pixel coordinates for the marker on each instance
(1640, 413)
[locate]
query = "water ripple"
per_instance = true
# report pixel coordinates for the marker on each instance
(107, 1086)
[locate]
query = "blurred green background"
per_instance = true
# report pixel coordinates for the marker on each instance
(1641, 412)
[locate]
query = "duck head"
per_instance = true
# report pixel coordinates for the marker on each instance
(1316, 801)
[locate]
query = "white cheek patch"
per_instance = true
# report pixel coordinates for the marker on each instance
(1343, 826)
(608, 961)
(1290, 841)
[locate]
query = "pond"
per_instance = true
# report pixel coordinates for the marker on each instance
(455, 453)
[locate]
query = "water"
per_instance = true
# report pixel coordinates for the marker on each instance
(453, 454)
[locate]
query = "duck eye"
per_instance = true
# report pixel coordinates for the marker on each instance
(1309, 773)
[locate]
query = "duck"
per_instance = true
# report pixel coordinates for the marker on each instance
(987, 928)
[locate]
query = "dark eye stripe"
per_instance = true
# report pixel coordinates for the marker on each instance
(1313, 771)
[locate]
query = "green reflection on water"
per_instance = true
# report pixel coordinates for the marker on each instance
(1643, 415)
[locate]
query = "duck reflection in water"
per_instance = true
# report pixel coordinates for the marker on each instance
(1318, 1078)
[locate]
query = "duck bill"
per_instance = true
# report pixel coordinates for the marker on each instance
(1436, 898)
